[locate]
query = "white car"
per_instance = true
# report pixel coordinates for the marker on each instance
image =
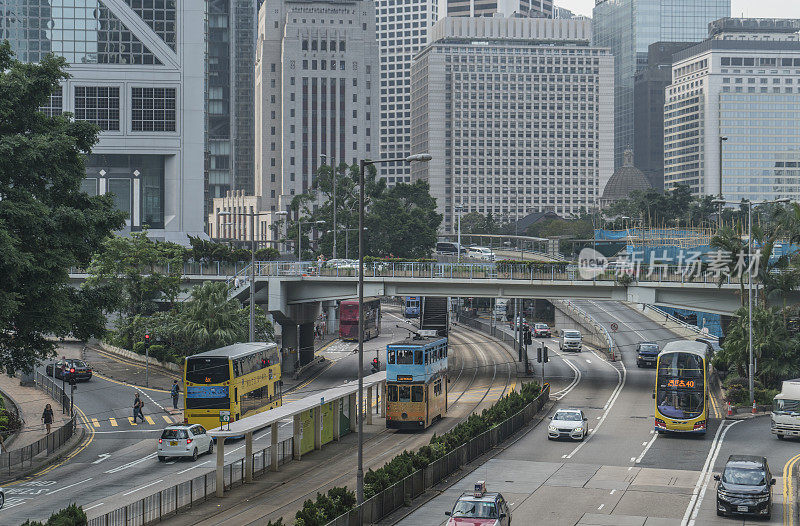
(568, 423)
(2, 497)
(481, 253)
(184, 441)
(571, 340)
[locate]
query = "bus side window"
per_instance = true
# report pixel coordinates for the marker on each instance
(393, 393)
(418, 357)
(390, 356)
(417, 393)
(444, 351)
(235, 395)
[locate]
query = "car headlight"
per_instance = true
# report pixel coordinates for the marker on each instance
(551, 428)
(763, 498)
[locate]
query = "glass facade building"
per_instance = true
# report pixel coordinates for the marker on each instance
(628, 27)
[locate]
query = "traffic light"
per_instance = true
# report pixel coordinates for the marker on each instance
(375, 363)
(147, 338)
(528, 337)
(541, 355)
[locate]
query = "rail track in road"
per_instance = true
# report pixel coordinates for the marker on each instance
(483, 370)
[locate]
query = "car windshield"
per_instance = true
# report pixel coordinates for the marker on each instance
(681, 403)
(648, 347)
(786, 406)
(572, 334)
(541, 326)
(744, 476)
(568, 416)
(473, 509)
(173, 434)
(77, 363)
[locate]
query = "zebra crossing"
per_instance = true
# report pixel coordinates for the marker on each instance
(127, 422)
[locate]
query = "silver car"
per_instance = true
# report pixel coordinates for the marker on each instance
(571, 340)
(568, 423)
(184, 441)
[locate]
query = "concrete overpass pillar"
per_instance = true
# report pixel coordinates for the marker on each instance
(331, 315)
(306, 343)
(289, 349)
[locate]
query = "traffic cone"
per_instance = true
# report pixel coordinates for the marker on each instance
(754, 407)
(730, 409)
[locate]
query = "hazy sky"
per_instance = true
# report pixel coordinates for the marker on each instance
(750, 8)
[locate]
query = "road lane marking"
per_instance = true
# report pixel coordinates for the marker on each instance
(131, 464)
(143, 487)
(788, 491)
(95, 422)
(613, 491)
(92, 507)
(131, 422)
(113, 422)
(70, 486)
(193, 467)
(600, 507)
(150, 420)
(129, 431)
(103, 456)
(647, 446)
(703, 480)
(167, 419)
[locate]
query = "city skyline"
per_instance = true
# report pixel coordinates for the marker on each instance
(764, 9)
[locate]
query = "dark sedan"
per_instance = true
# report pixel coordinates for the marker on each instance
(70, 368)
(745, 487)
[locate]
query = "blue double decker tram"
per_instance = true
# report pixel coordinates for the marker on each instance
(416, 382)
(411, 306)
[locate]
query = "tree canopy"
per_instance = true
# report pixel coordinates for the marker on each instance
(47, 224)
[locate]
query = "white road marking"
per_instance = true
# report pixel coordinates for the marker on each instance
(588, 360)
(129, 431)
(10, 503)
(91, 507)
(103, 456)
(193, 467)
(705, 476)
(145, 486)
(647, 446)
(633, 459)
(131, 464)
(71, 485)
(621, 377)
(613, 491)
(558, 395)
(600, 507)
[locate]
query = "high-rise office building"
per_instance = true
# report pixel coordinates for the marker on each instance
(743, 83)
(507, 8)
(628, 27)
(136, 72)
(402, 32)
(230, 86)
(518, 115)
(648, 110)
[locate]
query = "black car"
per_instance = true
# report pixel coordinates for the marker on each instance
(647, 354)
(745, 487)
(67, 369)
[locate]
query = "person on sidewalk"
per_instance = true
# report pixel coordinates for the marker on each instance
(174, 392)
(47, 417)
(137, 408)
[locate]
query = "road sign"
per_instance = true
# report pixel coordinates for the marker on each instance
(614, 327)
(224, 416)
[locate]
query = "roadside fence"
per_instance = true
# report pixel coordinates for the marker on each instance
(412, 486)
(171, 501)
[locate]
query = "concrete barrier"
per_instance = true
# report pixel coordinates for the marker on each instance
(136, 357)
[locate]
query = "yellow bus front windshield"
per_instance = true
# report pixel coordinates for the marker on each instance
(680, 387)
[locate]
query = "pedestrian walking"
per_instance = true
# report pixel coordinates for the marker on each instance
(174, 392)
(47, 417)
(137, 408)
(236, 282)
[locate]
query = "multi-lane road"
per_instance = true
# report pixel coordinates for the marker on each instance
(623, 473)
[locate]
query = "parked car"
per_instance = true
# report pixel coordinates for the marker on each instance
(480, 507)
(571, 340)
(450, 248)
(568, 423)
(184, 441)
(745, 487)
(69, 368)
(541, 330)
(480, 253)
(647, 354)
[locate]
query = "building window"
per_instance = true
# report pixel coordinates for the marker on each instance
(98, 105)
(153, 109)
(54, 106)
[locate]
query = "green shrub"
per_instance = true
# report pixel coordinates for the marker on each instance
(325, 508)
(70, 516)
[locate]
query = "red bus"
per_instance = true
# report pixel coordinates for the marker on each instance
(348, 319)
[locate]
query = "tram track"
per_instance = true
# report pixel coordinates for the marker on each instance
(477, 374)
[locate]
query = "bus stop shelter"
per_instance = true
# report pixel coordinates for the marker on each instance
(312, 412)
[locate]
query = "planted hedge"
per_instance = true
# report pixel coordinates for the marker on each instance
(70, 516)
(324, 509)
(408, 461)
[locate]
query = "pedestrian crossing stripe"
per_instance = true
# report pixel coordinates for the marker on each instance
(113, 421)
(150, 420)
(166, 419)
(95, 423)
(131, 422)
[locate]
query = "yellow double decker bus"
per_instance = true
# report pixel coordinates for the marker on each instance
(681, 391)
(244, 378)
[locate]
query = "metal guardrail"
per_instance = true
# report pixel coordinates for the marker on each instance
(171, 501)
(412, 486)
(17, 458)
(589, 321)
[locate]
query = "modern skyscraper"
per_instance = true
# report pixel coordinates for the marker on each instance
(507, 8)
(648, 110)
(743, 83)
(230, 85)
(518, 114)
(137, 73)
(628, 27)
(402, 32)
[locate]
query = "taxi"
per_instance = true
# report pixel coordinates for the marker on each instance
(480, 507)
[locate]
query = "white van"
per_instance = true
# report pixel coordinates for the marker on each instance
(481, 253)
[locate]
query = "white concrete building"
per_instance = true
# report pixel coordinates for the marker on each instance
(506, 8)
(742, 83)
(317, 76)
(402, 32)
(137, 73)
(518, 115)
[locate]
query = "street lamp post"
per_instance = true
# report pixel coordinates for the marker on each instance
(333, 166)
(750, 362)
(722, 139)
(362, 166)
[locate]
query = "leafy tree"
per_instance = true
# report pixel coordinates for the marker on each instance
(47, 224)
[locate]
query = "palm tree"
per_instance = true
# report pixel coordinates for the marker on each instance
(730, 241)
(210, 319)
